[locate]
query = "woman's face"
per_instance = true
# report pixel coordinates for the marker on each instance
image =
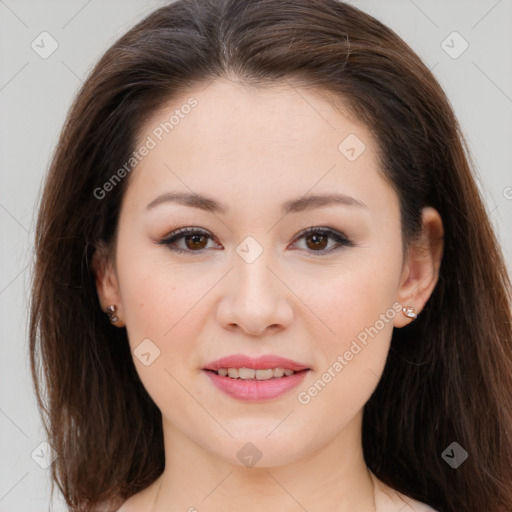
(250, 284)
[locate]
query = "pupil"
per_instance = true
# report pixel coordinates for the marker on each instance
(195, 239)
(316, 238)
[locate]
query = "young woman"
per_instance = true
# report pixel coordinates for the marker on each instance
(265, 276)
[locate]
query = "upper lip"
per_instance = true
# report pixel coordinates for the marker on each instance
(256, 363)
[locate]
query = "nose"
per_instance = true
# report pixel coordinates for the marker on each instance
(255, 299)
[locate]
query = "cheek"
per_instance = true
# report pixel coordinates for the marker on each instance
(166, 304)
(359, 309)
(355, 306)
(154, 292)
(351, 297)
(162, 309)
(356, 346)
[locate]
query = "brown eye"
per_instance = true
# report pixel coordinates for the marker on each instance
(196, 241)
(318, 241)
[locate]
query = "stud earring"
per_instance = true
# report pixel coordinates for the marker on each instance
(111, 312)
(408, 311)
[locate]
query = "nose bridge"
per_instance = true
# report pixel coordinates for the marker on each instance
(254, 279)
(256, 299)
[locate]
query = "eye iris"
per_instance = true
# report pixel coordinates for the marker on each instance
(195, 241)
(316, 238)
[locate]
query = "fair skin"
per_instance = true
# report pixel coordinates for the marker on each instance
(252, 149)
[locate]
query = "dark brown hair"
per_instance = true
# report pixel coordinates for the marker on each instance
(448, 376)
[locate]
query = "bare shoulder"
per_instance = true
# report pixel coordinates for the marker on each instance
(109, 506)
(142, 500)
(388, 499)
(136, 503)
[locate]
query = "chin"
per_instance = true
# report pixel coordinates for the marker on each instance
(261, 450)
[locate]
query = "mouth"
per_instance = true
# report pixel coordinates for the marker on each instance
(278, 365)
(253, 374)
(255, 379)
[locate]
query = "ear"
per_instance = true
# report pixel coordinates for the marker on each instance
(107, 285)
(421, 270)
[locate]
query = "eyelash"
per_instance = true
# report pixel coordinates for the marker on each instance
(183, 232)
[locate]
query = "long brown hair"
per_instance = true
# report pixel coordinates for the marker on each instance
(448, 377)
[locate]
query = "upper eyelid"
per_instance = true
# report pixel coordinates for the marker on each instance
(192, 231)
(180, 233)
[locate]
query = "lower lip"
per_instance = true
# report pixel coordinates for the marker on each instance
(256, 389)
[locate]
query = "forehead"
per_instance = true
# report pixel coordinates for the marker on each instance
(268, 117)
(256, 142)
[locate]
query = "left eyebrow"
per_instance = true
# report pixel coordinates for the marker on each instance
(318, 201)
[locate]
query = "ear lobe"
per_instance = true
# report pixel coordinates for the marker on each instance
(105, 277)
(421, 270)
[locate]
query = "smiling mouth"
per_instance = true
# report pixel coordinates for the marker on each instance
(252, 374)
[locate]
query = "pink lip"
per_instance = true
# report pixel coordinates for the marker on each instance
(258, 363)
(255, 390)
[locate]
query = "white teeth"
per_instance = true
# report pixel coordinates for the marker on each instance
(233, 373)
(278, 372)
(250, 373)
(246, 373)
(264, 374)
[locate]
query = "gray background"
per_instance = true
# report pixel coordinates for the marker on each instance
(35, 94)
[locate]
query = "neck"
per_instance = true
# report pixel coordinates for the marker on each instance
(334, 477)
